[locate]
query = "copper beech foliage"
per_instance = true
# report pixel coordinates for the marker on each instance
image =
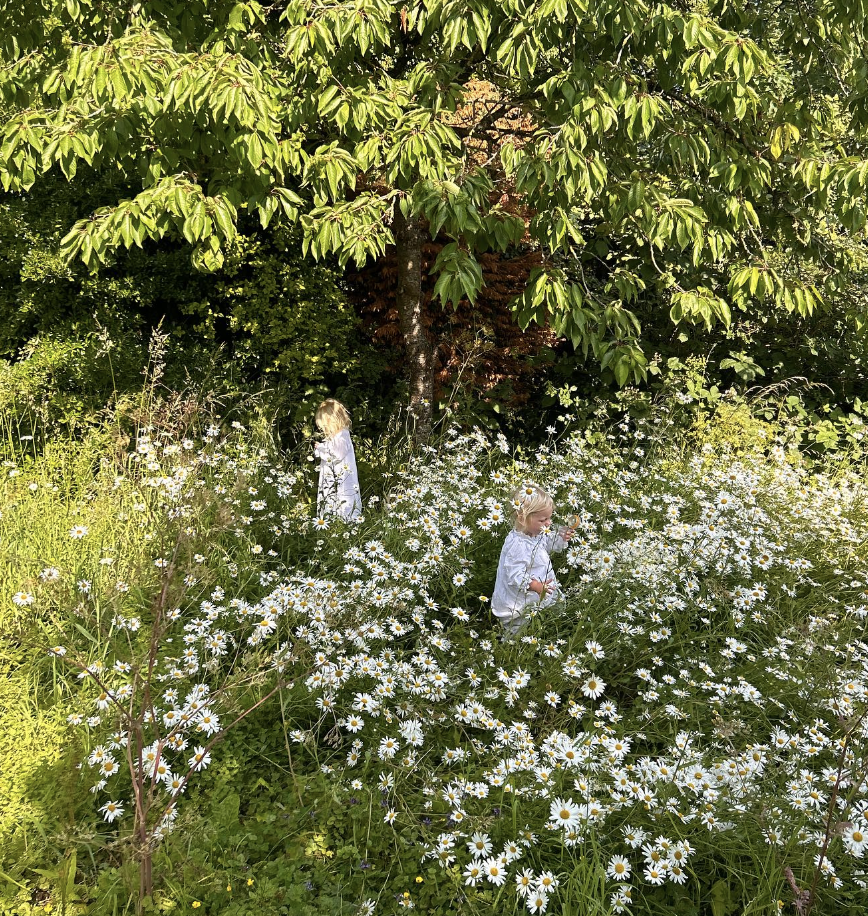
(479, 346)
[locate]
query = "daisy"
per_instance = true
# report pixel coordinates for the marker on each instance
(536, 903)
(111, 811)
(593, 687)
(108, 767)
(472, 874)
(655, 874)
(208, 722)
(677, 874)
(634, 837)
(856, 838)
(511, 851)
(618, 868)
(176, 784)
(353, 723)
(479, 845)
(525, 882)
(494, 869)
(595, 649)
(566, 814)
(546, 882)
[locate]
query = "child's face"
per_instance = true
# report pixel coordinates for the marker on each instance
(537, 522)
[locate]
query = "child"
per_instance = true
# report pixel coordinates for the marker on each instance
(338, 492)
(524, 574)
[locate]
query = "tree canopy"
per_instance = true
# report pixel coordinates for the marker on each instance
(700, 157)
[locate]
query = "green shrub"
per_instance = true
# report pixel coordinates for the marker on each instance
(270, 321)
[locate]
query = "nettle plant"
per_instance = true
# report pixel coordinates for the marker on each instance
(166, 665)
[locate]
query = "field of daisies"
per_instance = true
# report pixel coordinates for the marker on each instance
(213, 700)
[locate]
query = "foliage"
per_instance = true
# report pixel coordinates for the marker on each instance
(72, 342)
(738, 417)
(287, 323)
(688, 158)
(717, 598)
(486, 367)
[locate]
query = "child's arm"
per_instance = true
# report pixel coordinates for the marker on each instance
(541, 588)
(557, 540)
(334, 450)
(339, 447)
(515, 566)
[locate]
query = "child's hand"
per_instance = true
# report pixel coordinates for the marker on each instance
(567, 533)
(542, 588)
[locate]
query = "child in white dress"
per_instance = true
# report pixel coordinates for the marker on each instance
(338, 492)
(525, 578)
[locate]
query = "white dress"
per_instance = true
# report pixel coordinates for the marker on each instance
(524, 557)
(338, 492)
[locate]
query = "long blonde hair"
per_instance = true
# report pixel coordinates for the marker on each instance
(527, 500)
(332, 417)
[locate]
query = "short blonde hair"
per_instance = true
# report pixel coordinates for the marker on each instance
(527, 500)
(332, 417)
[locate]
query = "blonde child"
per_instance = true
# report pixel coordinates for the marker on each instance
(525, 578)
(338, 492)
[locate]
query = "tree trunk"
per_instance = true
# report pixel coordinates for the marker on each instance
(420, 356)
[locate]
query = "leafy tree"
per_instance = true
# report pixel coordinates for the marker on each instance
(696, 156)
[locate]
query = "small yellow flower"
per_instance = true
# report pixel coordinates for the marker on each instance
(229, 887)
(406, 894)
(419, 879)
(196, 904)
(249, 881)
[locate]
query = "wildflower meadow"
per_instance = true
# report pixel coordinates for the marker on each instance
(433, 439)
(224, 703)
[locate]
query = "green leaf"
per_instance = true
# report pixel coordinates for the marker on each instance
(459, 275)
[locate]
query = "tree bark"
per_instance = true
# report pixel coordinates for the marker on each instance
(420, 355)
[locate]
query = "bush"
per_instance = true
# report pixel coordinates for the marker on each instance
(286, 322)
(270, 321)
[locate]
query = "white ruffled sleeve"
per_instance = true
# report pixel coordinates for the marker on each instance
(516, 565)
(555, 541)
(334, 450)
(340, 446)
